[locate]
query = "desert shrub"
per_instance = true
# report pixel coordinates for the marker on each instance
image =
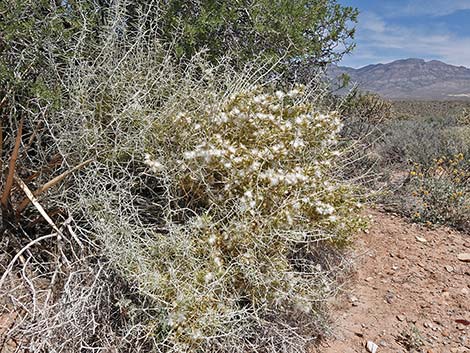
(435, 149)
(440, 193)
(258, 184)
(464, 117)
(420, 140)
(429, 109)
(362, 112)
(243, 189)
(210, 218)
(362, 116)
(367, 106)
(211, 196)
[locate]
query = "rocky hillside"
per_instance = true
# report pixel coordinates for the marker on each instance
(410, 79)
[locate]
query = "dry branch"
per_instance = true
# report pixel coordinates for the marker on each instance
(48, 185)
(11, 167)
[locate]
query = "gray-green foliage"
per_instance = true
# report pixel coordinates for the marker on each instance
(112, 77)
(218, 273)
(421, 140)
(38, 40)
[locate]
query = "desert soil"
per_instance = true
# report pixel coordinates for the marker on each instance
(409, 293)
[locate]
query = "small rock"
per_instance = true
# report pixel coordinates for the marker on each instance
(371, 347)
(401, 317)
(449, 268)
(369, 279)
(413, 320)
(359, 334)
(354, 300)
(459, 350)
(421, 240)
(389, 296)
(383, 343)
(464, 257)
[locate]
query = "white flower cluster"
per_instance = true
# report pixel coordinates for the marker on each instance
(207, 152)
(154, 165)
(248, 200)
(275, 177)
(324, 208)
(257, 145)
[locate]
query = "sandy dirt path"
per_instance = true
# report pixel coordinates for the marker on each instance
(410, 292)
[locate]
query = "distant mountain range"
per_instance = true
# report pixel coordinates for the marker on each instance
(410, 79)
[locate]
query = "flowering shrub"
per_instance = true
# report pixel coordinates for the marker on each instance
(270, 157)
(256, 177)
(441, 192)
(464, 117)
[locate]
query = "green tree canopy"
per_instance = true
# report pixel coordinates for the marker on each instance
(320, 30)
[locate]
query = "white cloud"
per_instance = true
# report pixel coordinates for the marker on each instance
(431, 7)
(371, 22)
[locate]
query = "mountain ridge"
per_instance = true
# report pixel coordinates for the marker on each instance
(411, 78)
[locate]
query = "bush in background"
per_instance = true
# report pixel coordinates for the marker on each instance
(440, 193)
(423, 162)
(429, 109)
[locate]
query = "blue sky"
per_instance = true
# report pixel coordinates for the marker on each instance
(399, 29)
